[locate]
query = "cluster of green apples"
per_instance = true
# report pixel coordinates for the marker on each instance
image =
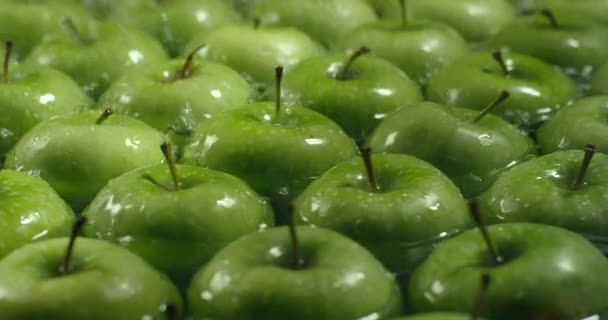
(304, 159)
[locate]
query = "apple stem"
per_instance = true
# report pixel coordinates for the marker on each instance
(278, 76)
(69, 252)
(76, 34)
(366, 154)
(257, 22)
(171, 312)
(7, 59)
(497, 55)
(344, 72)
(474, 208)
(504, 95)
(479, 299)
(168, 153)
(403, 7)
(107, 112)
(549, 14)
(186, 70)
(297, 261)
(590, 151)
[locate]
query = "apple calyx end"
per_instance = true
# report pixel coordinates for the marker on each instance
(167, 151)
(69, 252)
(7, 59)
(366, 154)
(496, 259)
(590, 151)
(107, 112)
(186, 70)
(548, 13)
(345, 71)
(502, 96)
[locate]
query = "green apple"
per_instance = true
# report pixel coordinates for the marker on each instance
(599, 81)
(176, 229)
(78, 154)
(472, 151)
(326, 21)
(30, 94)
(277, 150)
(574, 43)
(419, 48)
(31, 211)
(29, 23)
(177, 94)
(576, 125)
(175, 22)
(103, 282)
(256, 50)
(97, 58)
(537, 89)
(357, 95)
(399, 214)
(253, 278)
(544, 272)
(565, 189)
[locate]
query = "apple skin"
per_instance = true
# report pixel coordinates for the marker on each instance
(375, 89)
(34, 94)
(26, 24)
(277, 159)
(417, 207)
(161, 98)
(174, 23)
(176, 231)
(107, 282)
(420, 49)
(537, 90)
(578, 46)
(113, 50)
(472, 154)
(541, 191)
(31, 211)
(548, 273)
(266, 48)
(326, 21)
(251, 279)
(476, 20)
(599, 82)
(77, 157)
(576, 125)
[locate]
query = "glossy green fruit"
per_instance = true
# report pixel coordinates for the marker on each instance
(420, 49)
(174, 22)
(255, 52)
(543, 191)
(472, 154)
(106, 282)
(97, 58)
(577, 125)
(33, 94)
(161, 97)
(371, 89)
(252, 279)
(277, 157)
(176, 231)
(579, 46)
(326, 21)
(537, 90)
(30, 210)
(77, 157)
(547, 273)
(416, 207)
